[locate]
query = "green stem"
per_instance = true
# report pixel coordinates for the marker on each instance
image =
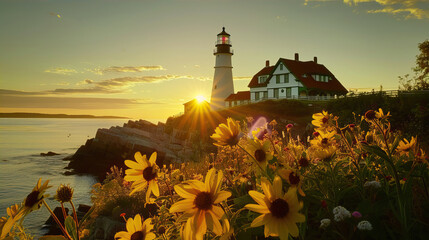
(256, 161)
(56, 220)
(75, 219)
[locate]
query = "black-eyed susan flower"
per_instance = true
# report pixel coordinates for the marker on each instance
(380, 115)
(370, 115)
(143, 173)
(405, 146)
(64, 193)
(293, 178)
(227, 135)
(200, 205)
(6, 224)
(280, 212)
(321, 120)
(34, 200)
(323, 139)
(137, 230)
(261, 152)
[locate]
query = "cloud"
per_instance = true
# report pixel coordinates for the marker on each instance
(241, 78)
(403, 8)
(64, 71)
(85, 82)
(7, 101)
(114, 85)
(125, 69)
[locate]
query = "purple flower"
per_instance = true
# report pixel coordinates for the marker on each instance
(356, 214)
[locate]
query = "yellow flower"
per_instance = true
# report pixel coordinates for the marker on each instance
(200, 205)
(380, 114)
(404, 146)
(143, 173)
(137, 230)
(6, 224)
(321, 120)
(279, 211)
(261, 152)
(227, 135)
(322, 153)
(34, 200)
(323, 140)
(293, 178)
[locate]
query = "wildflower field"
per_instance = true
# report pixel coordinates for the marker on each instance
(357, 181)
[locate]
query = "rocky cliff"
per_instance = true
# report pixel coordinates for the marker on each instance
(114, 145)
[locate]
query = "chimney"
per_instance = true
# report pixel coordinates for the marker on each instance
(296, 57)
(315, 59)
(267, 63)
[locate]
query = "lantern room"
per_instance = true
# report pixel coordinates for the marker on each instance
(223, 43)
(223, 37)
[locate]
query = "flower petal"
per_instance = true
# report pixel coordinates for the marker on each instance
(259, 221)
(138, 222)
(277, 187)
(257, 208)
(221, 196)
(182, 206)
(259, 198)
(184, 192)
(134, 165)
(152, 159)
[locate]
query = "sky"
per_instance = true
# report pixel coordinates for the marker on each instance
(144, 59)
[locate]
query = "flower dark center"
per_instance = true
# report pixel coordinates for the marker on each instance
(148, 174)
(293, 178)
(232, 140)
(137, 236)
(203, 201)
(370, 115)
(303, 162)
(260, 155)
(279, 208)
(324, 119)
(324, 141)
(32, 199)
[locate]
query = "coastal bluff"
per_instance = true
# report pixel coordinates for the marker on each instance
(114, 145)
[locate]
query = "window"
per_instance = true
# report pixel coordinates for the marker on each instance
(256, 95)
(288, 92)
(262, 79)
(277, 78)
(286, 78)
(235, 103)
(281, 66)
(265, 95)
(276, 93)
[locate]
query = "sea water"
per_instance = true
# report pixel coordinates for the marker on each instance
(21, 165)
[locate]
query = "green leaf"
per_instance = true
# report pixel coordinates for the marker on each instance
(52, 237)
(376, 150)
(87, 215)
(71, 227)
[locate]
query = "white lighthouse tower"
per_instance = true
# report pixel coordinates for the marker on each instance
(223, 85)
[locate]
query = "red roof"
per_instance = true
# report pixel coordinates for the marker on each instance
(303, 71)
(265, 71)
(243, 95)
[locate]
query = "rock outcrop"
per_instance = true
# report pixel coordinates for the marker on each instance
(114, 145)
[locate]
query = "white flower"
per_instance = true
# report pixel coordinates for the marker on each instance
(324, 223)
(340, 213)
(364, 226)
(372, 184)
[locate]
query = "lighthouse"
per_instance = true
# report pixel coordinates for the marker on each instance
(223, 85)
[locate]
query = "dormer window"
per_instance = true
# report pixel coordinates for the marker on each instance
(262, 79)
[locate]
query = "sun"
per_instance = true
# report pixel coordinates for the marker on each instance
(200, 98)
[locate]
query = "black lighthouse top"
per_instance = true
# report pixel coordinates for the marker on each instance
(223, 43)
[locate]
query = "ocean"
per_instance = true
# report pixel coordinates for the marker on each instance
(21, 165)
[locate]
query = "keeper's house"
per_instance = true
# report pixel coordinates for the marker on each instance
(290, 79)
(293, 79)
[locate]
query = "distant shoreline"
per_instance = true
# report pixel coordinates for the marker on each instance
(45, 115)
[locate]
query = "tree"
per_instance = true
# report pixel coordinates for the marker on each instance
(420, 81)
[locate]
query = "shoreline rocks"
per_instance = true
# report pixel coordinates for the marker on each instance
(114, 145)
